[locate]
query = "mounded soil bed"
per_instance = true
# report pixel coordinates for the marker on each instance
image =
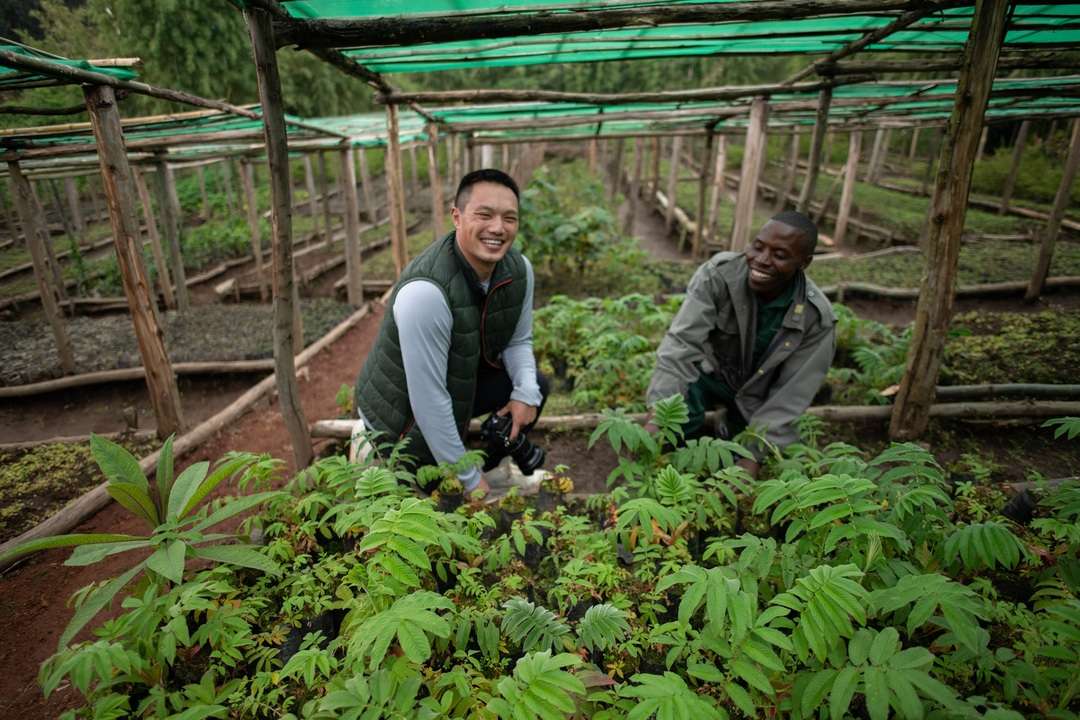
(208, 332)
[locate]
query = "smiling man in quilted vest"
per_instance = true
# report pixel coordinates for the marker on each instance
(456, 340)
(754, 338)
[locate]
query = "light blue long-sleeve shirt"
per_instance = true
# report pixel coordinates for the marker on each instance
(424, 327)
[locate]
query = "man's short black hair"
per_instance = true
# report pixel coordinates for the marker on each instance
(491, 175)
(800, 222)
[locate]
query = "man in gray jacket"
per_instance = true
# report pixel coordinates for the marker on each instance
(754, 337)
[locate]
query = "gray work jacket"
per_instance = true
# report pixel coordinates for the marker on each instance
(713, 333)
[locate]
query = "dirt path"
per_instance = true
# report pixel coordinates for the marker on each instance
(653, 237)
(33, 597)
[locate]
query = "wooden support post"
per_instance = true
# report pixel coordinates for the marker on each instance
(72, 193)
(163, 275)
(247, 180)
(847, 196)
(227, 186)
(395, 192)
(698, 246)
(286, 306)
(505, 158)
(654, 175)
(753, 154)
(914, 144)
(719, 166)
(365, 185)
(634, 195)
(324, 189)
(313, 199)
(982, 142)
(206, 209)
(438, 205)
(95, 202)
(616, 169)
(594, 154)
(414, 170)
(354, 281)
(1014, 166)
(837, 181)
(30, 217)
(1053, 225)
(170, 221)
(817, 146)
(50, 248)
(120, 195)
(9, 221)
(673, 181)
(911, 408)
(790, 175)
(875, 154)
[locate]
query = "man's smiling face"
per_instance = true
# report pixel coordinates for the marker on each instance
(774, 256)
(486, 226)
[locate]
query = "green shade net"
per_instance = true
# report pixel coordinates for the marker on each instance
(1032, 26)
(15, 79)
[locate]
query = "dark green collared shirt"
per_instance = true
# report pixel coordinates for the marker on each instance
(770, 316)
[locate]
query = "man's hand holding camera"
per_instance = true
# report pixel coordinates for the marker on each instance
(521, 415)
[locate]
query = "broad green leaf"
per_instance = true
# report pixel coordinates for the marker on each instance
(96, 602)
(876, 691)
(816, 690)
(60, 541)
(884, 646)
(243, 555)
(184, 489)
(165, 475)
(235, 506)
(843, 690)
(168, 560)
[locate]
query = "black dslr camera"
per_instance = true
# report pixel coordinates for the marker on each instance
(496, 433)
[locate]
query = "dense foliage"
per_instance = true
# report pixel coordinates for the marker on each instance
(839, 584)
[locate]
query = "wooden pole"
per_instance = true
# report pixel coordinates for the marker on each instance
(914, 143)
(847, 195)
(1053, 225)
(717, 186)
(790, 175)
(616, 169)
(594, 154)
(117, 180)
(313, 200)
(324, 188)
(654, 175)
(95, 202)
(505, 158)
(438, 205)
(72, 193)
(395, 191)
(634, 196)
(50, 248)
(30, 217)
(948, 207)
(247, 180)
(227, 185)
(875, 153)
(206, 210)
(673, 181)
(286, 307)
(698, 246)
(414, 169)
(753, 153)
(1014, 166)
(164, 279)
(366, 187)
(817, 145)
(982, 143)
(354, 281)
(170, 221)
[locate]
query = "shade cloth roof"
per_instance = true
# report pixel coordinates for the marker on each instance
(1032, 26)
(13, 79)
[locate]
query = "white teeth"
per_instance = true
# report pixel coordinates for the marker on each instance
(758, 275)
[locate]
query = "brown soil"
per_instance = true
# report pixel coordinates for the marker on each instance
(33, 596)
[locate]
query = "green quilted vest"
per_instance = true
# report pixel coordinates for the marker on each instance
(483, 326)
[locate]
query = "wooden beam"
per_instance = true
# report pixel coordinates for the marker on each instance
(720, 165)
(914, 143)
(324, 188)
(47, 111)
(414, 169)
(354, 280)
(30, 216)
(474, 97)
(69, 230)
(207, 211)
(790, 174)
(163, 275)
(616, 168)
(753, 154)
(438, 204)
(288, 334)
(634, 194)
(74, 207)
(313, 199)
(948, 208)
(119, 192)
(247, 180)
(698, 245)
(227, 185)
(463, 25)
(170, 221)
(367, 188)
(817, 145)
(395, 191)
(1014, 166)
(1016, 60)
(875, 155)
(847, 195)
(673, 181)
(1053, 225)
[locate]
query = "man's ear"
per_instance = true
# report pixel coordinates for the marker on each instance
(455, 215)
